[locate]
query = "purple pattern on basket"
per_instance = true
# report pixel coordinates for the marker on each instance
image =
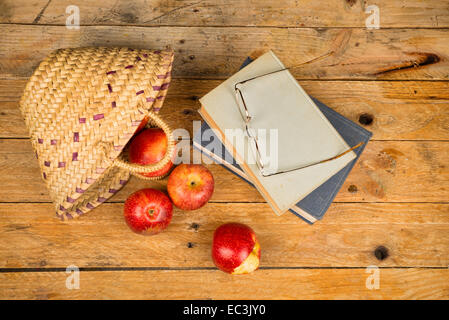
(40, 140)
(99, 116)
(44, 175)
(156, 109)
(71, 200)
(89, 206)
(53, 141)
(164, 76)
(69, 216)
(101, 199)
(113, 105)
(62, 208)
(79, 190)
(61, 164)
(79, 211)
(47, 163)
(113, 190)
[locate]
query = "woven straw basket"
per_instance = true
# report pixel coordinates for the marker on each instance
(82, 106)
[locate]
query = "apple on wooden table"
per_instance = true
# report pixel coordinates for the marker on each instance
(148, 211)
(190, 186)
(235, 249)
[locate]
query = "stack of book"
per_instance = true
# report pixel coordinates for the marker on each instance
(306, 131)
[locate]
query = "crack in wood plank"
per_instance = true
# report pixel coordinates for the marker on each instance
(173, 10)
(423, 59)
(39, 15)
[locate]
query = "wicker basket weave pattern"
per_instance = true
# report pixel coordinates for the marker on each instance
(81, 107)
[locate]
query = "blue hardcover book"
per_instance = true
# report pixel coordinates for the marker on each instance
(313, 206)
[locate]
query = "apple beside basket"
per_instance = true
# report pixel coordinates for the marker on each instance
(82, 106)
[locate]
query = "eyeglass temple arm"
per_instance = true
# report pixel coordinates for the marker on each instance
(342, 154)
(288, 68)
(322, 161)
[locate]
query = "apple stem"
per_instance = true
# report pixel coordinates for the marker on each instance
(151, 212)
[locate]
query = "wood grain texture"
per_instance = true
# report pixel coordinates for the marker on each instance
(289, 13)
(414, 235)
(388, 171)
(400, 110)
(212, 284)
(395, 197)
(217, 52)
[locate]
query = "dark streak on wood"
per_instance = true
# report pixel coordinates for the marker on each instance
(39, 15)
(172, 11)
(16, 227)
(422, 59)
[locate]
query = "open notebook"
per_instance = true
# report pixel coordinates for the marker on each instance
(314, 137)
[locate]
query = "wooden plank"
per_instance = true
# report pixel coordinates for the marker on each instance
(392, 110)
(348, 236)
(212, 284)
(216, 52)
(388, 171)
(290, 13)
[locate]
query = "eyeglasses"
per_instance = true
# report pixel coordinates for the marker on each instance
(252, 137)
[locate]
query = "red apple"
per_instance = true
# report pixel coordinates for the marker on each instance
(190, 186)
(149, 147)
(148, 211)
(235, 249)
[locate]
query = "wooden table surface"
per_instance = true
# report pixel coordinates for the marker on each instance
(392, 212)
